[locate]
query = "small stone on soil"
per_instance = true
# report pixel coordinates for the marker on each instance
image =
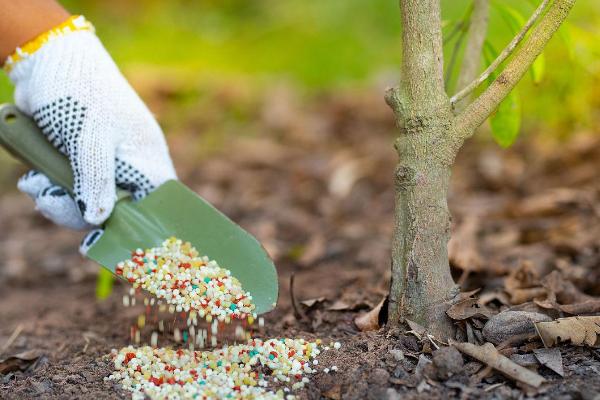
(511, 324)
(397, 354)
(448, 361)
(379, 376)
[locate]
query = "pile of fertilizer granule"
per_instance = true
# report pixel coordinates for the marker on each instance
(231, 372)
(198, 287)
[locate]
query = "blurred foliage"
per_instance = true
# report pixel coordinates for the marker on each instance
(203, 55)
(325, 45)
(104, 283)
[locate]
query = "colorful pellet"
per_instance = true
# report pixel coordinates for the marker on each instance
(231, 372)
(195, 287)
(187, 281)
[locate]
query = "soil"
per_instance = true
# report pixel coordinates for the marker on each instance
(316, 189)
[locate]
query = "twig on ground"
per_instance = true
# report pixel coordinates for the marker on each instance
(479, 376)
(87, 343)
(490, 356)
(492, 387)
(12, 338)
(297, 314)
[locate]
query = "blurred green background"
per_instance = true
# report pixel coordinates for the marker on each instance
(185, 51)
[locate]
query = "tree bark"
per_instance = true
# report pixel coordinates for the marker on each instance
(421, 279)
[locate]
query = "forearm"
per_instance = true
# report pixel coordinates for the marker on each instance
(23, 20)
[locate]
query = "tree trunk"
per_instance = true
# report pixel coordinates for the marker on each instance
(421, 281)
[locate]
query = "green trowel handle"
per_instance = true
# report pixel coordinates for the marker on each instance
(23, 139)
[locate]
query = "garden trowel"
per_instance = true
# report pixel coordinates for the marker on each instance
(171, 210)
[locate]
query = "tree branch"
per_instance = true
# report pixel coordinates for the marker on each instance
(478, 111)
(422, 84)
(464, 92)
(475, 37)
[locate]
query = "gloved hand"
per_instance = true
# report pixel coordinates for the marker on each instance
(70, 86)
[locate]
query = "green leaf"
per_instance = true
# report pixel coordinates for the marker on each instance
(506, 121)
(489, 55)
(104, 284)
(565, 32)
(513, 18)
(515, 22)
(538, 68)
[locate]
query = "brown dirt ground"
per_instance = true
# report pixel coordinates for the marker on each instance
(315, 188)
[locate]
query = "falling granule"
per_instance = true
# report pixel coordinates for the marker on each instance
(187, 281)
(200, 340)
(240, 333)
(232, 372)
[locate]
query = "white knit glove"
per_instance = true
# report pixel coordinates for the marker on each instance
(85, 107)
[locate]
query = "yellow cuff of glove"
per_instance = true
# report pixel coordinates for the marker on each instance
(73, 24)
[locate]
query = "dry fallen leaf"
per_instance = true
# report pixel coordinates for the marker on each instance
(335, 393)
(488, 354)
(346, 174)
(585, 307)
(579, 330)
(468, 308)
(523, 284)
(496, 295)
(351, 301)
(310, 303)
(551, 202)
(562, 290)
(339, 305)
(526, 360)
(19, 362)
(551, 359)
(314, 250)
(463, 245)
(470, 334)
(370, 320)
(416, 329)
